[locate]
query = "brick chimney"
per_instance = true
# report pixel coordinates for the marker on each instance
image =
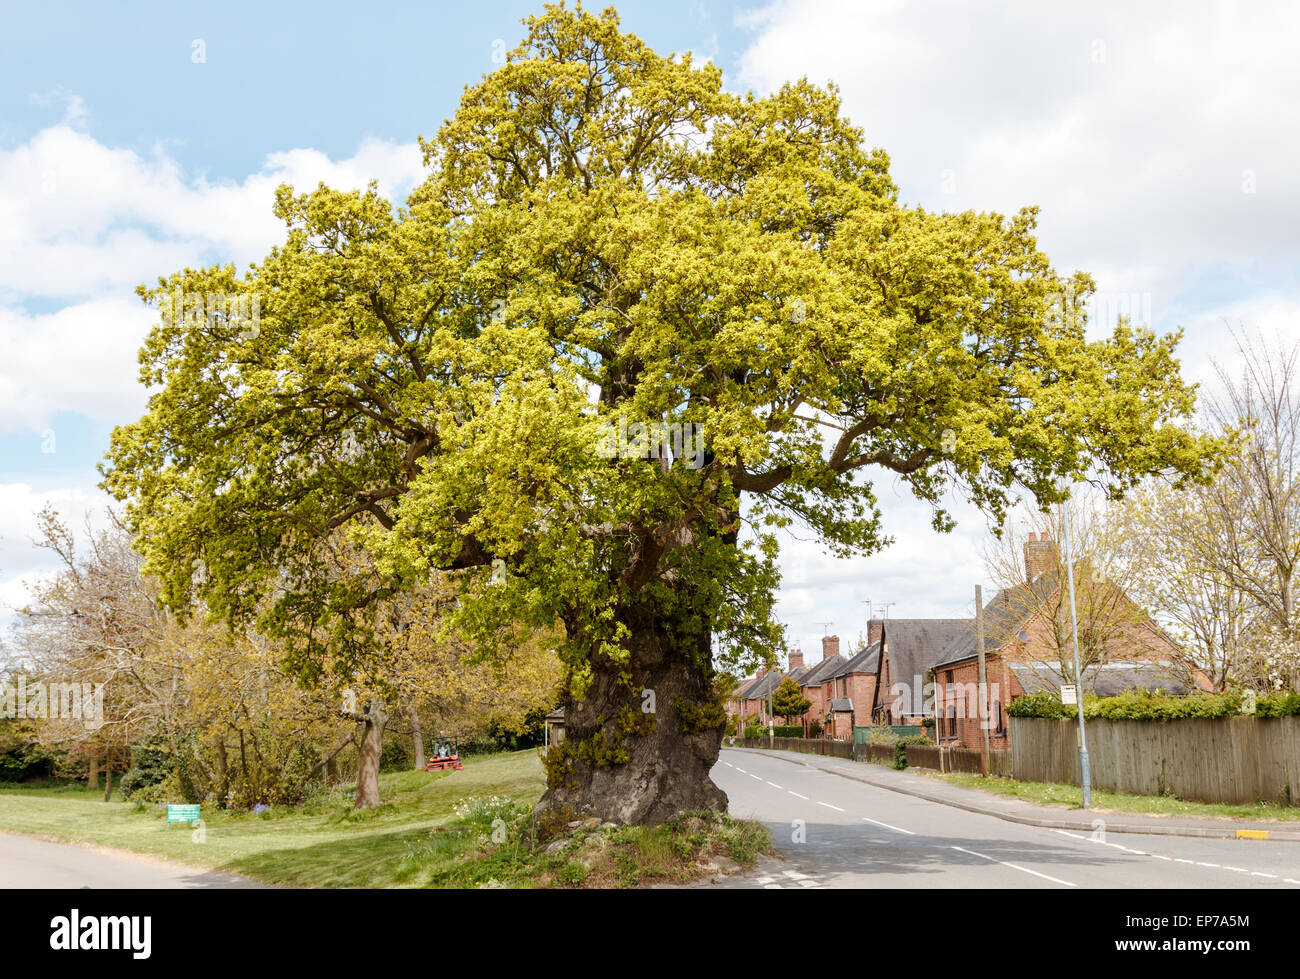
(796, 659)
(1040, 555)
(874, 631)
(830, 646)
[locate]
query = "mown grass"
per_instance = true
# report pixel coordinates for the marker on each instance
(453, 829)
(1071, 797)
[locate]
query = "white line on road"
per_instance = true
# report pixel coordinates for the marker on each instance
(752, 775)
(797, 795)
(1256, 873)
(829, 806)
(896, 829)
(1013, 866)
(774, 785)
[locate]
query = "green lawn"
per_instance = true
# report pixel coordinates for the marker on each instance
(1071, 797)
(432, 830)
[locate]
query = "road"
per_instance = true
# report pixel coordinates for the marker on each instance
(836, 832)
(26, 862)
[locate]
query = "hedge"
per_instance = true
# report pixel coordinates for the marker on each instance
(1146, 705)
(779, 730)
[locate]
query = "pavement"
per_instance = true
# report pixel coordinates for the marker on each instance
(30, 863)
(838, 823)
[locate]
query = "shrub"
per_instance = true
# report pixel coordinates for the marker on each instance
(1150, 705)
(815, 729)
(1038, 705)
(900, 748)
(1278, 705)
(152, 764)
(789, 731)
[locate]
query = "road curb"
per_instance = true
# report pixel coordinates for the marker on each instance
(1228, 832)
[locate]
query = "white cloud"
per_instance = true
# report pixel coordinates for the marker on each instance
(81, 224)
(1136, 129)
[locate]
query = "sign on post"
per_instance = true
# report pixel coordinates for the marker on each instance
(183, 814)
(1069, 695)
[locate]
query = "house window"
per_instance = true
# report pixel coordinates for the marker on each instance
(997, 715)
(952, 722)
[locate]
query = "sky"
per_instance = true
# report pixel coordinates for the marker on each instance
(1160, 143)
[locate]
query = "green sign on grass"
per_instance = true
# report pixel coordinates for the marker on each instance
(182, 814)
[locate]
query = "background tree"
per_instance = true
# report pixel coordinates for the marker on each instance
(1219, 561)
(609, 238)
(788, 700)
(1032, 608)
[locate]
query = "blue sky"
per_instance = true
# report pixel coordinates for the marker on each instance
(1162, 150)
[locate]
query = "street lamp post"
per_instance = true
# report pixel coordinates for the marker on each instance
(1085, 775)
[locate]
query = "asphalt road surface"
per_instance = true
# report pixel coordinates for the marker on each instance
(26, 862)
(836, 832)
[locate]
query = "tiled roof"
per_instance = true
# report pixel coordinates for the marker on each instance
(823, 670)
(1105, 681)
(865, 661)
(915, 645)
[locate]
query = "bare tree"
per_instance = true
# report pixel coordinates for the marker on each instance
(1225, 556)
(1031, 612)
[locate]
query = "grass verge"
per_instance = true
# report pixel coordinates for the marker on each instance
(1071, 797)
(452, 829)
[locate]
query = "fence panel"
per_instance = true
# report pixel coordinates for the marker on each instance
(1239, 760)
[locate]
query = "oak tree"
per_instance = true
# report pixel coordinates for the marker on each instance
(505, 380)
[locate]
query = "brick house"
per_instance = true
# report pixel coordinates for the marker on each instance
(817, 683)
(849, 691)
(908, 649)
(752, 695)
(1022, 657)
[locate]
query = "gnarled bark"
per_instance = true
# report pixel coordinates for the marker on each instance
(641, 753)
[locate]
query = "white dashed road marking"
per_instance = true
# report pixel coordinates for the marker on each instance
(896, 829)
(829, 806)
(1013, 866)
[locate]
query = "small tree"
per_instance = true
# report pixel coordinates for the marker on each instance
(788, 700)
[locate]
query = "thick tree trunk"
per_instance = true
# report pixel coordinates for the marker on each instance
(372, 746)
(641, 754)
(418, 736)
(92, 777)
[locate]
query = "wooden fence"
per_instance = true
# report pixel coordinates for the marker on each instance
(808, 746)
(1239, 760)
(965, 760)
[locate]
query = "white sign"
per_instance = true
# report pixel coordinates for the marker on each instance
(1069, 695)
